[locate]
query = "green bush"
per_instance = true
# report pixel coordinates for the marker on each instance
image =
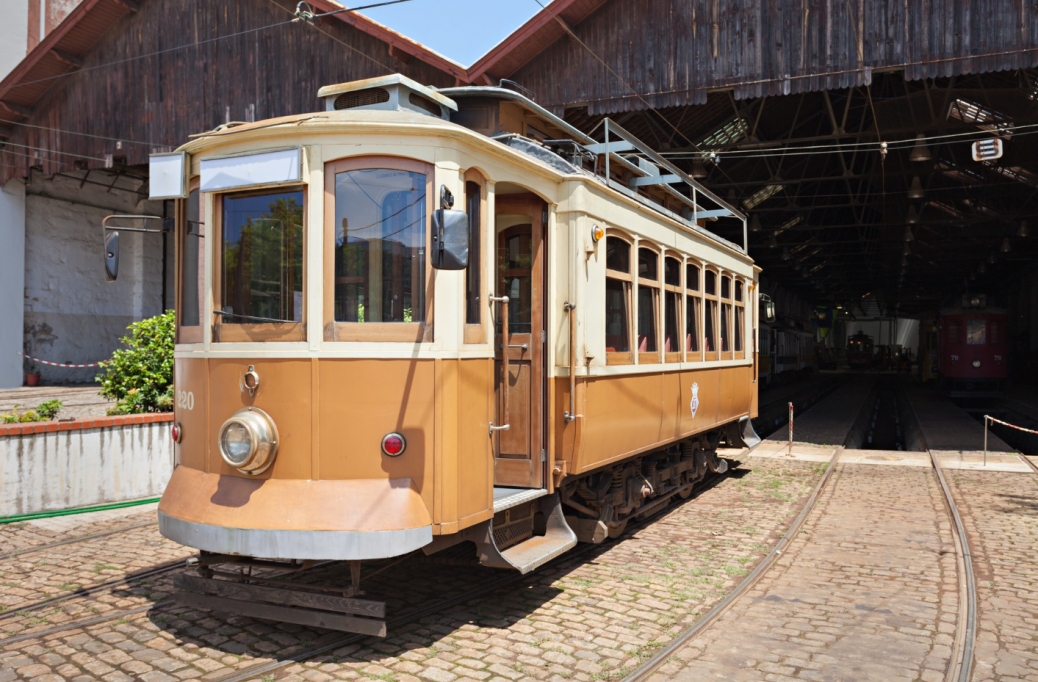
(140, 375)
(45, 411)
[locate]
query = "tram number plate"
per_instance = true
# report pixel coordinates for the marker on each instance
(186, 400)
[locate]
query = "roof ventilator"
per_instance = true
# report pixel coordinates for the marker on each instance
(387, 93)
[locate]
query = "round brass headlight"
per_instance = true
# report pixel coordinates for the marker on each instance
(249, 441)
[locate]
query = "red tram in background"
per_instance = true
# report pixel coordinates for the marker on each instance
(860, 351)
(972, 345)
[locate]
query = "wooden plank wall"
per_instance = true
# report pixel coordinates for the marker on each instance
(674, 51)
(154, 103)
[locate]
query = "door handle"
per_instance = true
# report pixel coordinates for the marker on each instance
(503, 300)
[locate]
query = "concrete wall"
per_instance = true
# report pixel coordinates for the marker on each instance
(72, 315)
(79, 467)
(12, 281)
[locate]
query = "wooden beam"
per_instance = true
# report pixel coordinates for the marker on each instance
(67, 59)
(131, 5)
(16, 109)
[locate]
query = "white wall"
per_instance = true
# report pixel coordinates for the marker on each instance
(12, 281)
(13, 34)
(905, 334)
(72, 315)
(46, 471)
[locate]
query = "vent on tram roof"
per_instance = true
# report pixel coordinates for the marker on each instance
(423, 103)
(361, 98)
(387, 93)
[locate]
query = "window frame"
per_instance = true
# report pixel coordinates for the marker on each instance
(476, 332)
(413, 332)
(654, 357)
(678, 290)
(224, 332)
(694, 291)
(189, 333)
(622, 357)
(739, 317)
(726, 315)
(715, 298)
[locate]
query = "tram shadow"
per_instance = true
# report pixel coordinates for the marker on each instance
(428, 600)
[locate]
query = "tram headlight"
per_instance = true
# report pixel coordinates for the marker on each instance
(976, 363)
(249, 440)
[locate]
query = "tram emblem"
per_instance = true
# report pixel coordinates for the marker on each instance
(694, 403)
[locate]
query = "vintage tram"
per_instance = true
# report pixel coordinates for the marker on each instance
(424, 317)
(972, 345)
(860, 351)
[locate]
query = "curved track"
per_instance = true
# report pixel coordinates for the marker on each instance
(962, 659)
(74, 540)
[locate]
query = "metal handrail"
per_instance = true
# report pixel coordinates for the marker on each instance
(503, 300)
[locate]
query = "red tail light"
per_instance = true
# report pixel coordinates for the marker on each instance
(393, 444)
(176, 432)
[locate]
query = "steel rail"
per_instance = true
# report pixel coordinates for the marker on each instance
(646, 669)
(100, 587)
(962, 662)
(82, 623)
(265, 669)
(79, 538)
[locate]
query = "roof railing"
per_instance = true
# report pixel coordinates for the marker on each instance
(648, 168)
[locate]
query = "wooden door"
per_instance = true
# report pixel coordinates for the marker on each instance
(519, 451)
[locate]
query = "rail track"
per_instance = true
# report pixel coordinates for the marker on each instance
(74, 540)
(337, 640)
(962, 659)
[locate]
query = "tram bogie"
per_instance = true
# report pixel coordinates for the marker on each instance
(354, 397)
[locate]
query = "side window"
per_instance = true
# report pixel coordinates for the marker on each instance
(191, 234)
(710, 314)
(618, 300)
(259, 292)
(375, 241)
(726, 314)
(739, 329)
(648, 304)
(672, 296)
(474, 206)
(693, 308)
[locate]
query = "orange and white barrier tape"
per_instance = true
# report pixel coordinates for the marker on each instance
(1012, 426)
(61, 364)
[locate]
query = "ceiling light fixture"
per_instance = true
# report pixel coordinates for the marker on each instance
(1006, 246)
(912, 216)
(915, 191)
(920, 152)
(1024, 231)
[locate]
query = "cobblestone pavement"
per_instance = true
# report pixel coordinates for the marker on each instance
(78, 401)
(867, 591)
(28, 534)
(1000, 513)
(585, 617)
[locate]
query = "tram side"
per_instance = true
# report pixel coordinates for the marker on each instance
(344, 393)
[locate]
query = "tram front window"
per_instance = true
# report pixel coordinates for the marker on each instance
(261, 259)
(379, 246)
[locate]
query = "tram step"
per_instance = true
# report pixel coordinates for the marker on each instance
(537, 550)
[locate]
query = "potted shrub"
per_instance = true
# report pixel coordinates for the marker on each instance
(32, 373)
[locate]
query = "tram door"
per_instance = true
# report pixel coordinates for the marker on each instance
(519, 450)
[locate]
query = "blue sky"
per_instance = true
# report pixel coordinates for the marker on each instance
(460, 29)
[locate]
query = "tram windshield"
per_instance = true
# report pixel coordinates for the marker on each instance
(379, 246)
(261, 258)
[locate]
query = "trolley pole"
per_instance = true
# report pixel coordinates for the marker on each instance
(790, 453)
(986, 418)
